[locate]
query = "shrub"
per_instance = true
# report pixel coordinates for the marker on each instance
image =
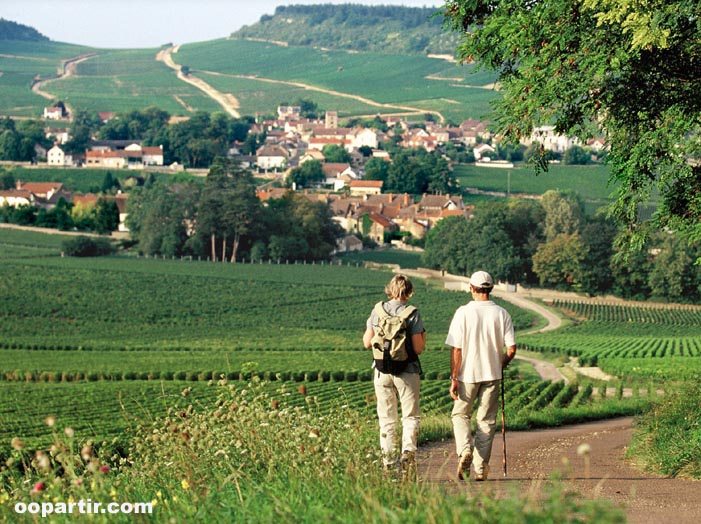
(82, 246)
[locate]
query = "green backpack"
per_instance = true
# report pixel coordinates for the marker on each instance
(391, 344)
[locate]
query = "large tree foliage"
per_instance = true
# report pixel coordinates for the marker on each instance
(228, 207)
(500, 239)
(628, 69)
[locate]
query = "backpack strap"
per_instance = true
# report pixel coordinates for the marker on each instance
(404, 315)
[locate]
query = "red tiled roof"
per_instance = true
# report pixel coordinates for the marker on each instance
(366, 183)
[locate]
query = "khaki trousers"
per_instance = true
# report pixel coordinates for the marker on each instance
(487, 396)
(387, 388)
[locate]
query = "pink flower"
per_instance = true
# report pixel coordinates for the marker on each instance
(104, 469)
(38, 487)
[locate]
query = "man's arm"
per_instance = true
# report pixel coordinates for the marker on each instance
(455, 363)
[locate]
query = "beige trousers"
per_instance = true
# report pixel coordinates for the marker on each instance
(487, 396)
(387, 387)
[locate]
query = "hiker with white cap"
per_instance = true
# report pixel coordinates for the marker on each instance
(478, 334)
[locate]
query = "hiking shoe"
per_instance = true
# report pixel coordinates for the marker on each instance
(407, 463)
(464, 465)
(480, 477)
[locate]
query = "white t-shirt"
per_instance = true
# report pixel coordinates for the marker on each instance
(481, 329)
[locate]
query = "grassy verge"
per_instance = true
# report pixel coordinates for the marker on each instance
(668, 436)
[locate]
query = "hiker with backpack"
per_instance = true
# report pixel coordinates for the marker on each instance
(396, 334)
(478, 334)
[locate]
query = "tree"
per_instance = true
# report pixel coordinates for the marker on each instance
(598, 235)
(106, 216)
(629, 69)
(336, 153)
(376, 169)
(228, 206)
(159, 215)
(309, 174)
(564, 212)
(576, 155)
(673, 275)
(559, 262)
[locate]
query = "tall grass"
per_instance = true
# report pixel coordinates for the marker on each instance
(250, 457)
(668, 436)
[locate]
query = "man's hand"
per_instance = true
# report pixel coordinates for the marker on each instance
(454, 389)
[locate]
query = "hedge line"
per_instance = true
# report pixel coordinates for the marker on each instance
(195, 376)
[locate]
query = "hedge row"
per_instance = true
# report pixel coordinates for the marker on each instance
(194, 376)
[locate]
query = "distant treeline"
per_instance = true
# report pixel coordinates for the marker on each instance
(13, 31)
(384, 29)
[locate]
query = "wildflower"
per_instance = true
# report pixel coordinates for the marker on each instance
(104, 469)
(314, 433)
(38, 487)
(583, 449)
(69, 432)
(50, 421)
(43, 461)
(185, 484)
(86, 452)
(17, 444)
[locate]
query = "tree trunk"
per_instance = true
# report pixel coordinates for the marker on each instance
(223, 249)
(214, 247)
(235, 247)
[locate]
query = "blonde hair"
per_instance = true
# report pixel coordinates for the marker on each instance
(400, 287)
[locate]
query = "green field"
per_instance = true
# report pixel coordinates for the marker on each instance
(388, 79)
(129, 334)
(591, 182)
(122, 80)
(635, 343)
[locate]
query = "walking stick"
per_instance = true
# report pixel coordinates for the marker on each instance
(503, 423)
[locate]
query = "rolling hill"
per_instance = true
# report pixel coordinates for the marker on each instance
(357, 60)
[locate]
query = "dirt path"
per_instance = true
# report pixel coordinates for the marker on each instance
(533, 456)
(67, 70)
(229, 102)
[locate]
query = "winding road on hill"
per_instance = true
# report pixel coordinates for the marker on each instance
(231, 104)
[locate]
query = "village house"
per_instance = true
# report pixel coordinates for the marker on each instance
(289, 112)
(418, 138)
(550, 140)
(348, 244)
(16, 198)
(57, 157)
(56, 112)
(338, 175)
(365, 187)
(272, 157)
(131, 156)
(59, 135)
(483, 152)
(474, 131)
(44, 195)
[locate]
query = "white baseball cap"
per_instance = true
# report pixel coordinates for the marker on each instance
(481, 279)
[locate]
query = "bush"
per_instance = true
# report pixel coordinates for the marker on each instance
(82, 246)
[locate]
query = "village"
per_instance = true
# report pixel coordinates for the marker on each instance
(359, 205)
